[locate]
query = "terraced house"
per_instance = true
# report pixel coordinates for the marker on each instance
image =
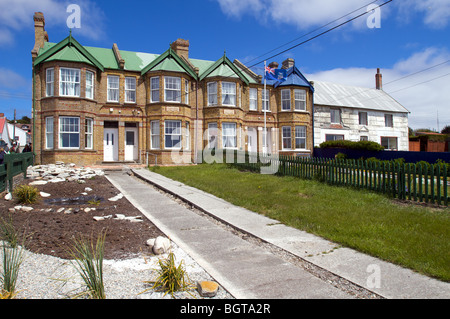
(95, 105)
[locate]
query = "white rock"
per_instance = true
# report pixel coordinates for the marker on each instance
(60, 210)
(116, 198)
(98, 218)
(151, 242)
(27, 208)
(44, 194)
(161, 245)
(84, 193)
(8, 196)
(38, 183)
(87, 210)
(120, 216)
(88, 189)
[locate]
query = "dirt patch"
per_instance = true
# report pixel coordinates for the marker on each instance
(52, 233)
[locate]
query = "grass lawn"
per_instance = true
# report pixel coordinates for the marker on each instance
(409, 235)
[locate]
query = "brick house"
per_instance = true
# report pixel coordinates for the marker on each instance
(96, 105)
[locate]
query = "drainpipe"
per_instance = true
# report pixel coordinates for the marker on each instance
(312, 91)
(34, 115)
(196, 125)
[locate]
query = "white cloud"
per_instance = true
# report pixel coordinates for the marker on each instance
(17, 15)
(436, 13)
(11, 79)
(423, 100)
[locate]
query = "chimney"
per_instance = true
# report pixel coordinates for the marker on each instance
(40, 35)
(181, 47)
(378, 80)
(273, 65)
(288, 63)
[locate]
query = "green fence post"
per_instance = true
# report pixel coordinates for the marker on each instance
(432, 183)
(425, 174)
(444, 182)
(438, 184)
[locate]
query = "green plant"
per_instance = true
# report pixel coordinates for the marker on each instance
(94, 202)
(360, 145)
(88, 260)
(12, 258)
(8, 233)
(340, 156)
(26, 194)
(171, 278)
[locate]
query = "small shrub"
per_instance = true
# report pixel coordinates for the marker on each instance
(26, 194)
(360, 145)
(340, 156)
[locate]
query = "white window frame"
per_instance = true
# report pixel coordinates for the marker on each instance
(337, 113)
(176, 129)
(212, 133)
(154, 89)
(300, 99)
(334, 137)
(155, 142)
(229, 92)
(89, 93)
(253, 99)
(172, 84)
(50, 82)
(265, 98)
(186, 91)
(389, 140)
(388, 120)
(212, 93)
(287, 137)
(130, 89)
(89, 134)
(74, 129)
(68, 85)
(113, 89)
(49, 129)
(300, 135)
(187, 137)
(228, 127)
(363, 118)
(286, 100)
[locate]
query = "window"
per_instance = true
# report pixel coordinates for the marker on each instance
(229, 135)
(212, 93)
(285, 100)
(69, 82)
(172, 133)
(186, 91)
(88, 134)
(389, 143)
(188, 137)
(49, 81)
(334, 137)
(300, 100)
(154, 89)
(265, 100)
(362, 116)
(69, 132)
(130, 90)
(388, 121)
(89, 85)
(49, 132)
(300, 137)
(363, 138)
(335, 116)
(253, 96)
(172, 89)
(229, 93)
(154, 134)
(113, 88)
(212, 135)
(286, 136)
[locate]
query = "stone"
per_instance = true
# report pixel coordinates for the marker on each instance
(44, 194)
(161, 245)
(8, 196)
(207, 288)
(151, 242)
(120, 216)
(26, 209)
(87, 210)
(60, 210)
(116, 198)
(88, 189)
(40, 182)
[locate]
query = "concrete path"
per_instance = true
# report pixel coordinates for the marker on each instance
(247, 270)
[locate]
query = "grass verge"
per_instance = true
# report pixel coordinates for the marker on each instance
(413, 236)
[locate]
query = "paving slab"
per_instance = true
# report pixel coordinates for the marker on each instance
(245, 270)
(381, 277)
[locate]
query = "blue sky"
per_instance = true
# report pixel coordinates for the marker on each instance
(411, 46)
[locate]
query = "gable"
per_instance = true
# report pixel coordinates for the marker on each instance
(169, 61)
(225, 68)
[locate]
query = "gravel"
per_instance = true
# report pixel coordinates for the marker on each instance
(47, 277)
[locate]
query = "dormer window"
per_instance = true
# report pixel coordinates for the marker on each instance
(69, 82)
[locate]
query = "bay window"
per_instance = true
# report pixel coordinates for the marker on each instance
(88, 134)
(69, 82)
(229, 139)
(285, 100)
(300, 137)
(154, 134)
(89, 85)
(212, 93)
(229, 93)
(172, 134)
(49, 81)
(212, 135)
(300, 100)
(69, 132)
(172, 89)
(49, 132)
(154, 89)
(286, 137)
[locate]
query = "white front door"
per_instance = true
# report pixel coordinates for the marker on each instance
(131, 145)
(110, 145)
(252, 142)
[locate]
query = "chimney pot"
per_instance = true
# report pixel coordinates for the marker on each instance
(273, 65)
(288, 63)
(378, 80)
(181, 47)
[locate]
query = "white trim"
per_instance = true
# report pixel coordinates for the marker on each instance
(68, 132)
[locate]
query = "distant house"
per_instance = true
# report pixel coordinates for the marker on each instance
(428, 142)
(343, 112)
(4, 134)
(18, 135)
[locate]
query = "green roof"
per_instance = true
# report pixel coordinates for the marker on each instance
(70, 50)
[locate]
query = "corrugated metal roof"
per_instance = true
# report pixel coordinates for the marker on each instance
(333, 94)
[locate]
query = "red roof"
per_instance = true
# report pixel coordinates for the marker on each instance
(2, 124)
